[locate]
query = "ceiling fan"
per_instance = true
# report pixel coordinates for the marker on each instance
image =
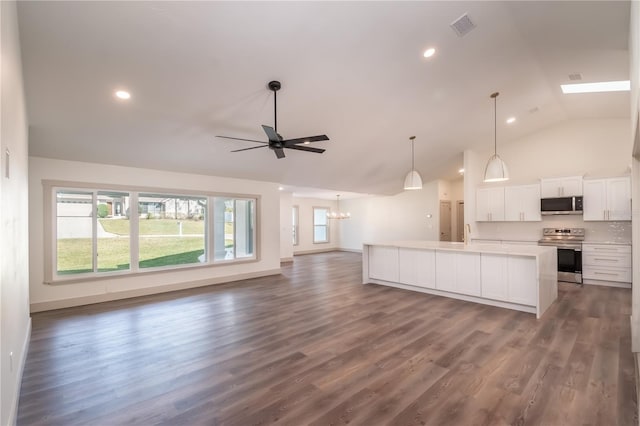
(276, 142)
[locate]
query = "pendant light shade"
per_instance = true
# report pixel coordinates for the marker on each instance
(413, 179)
(496, 169)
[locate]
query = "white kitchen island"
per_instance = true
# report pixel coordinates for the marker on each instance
(520, 277)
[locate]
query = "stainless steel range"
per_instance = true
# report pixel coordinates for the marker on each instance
(569, 244)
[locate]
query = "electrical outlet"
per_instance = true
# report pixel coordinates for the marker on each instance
(11, 361)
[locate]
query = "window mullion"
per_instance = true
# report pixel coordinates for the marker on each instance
(134, 232)
(94, 231)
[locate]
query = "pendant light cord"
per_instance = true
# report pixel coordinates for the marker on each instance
(495, 122)
(275, 110)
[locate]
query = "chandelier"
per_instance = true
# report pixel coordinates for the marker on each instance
(338, 214)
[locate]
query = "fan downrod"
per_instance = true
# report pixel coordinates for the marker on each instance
(274, 85)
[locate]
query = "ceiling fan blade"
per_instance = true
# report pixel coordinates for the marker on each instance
(306, 148)
(279, 152)
(271, 134)
(240, 139)
(253, 147)
(307, 139)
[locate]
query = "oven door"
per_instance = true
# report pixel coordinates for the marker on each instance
(570, 264)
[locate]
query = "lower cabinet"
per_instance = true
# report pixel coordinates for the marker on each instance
(458, 272)
(383, 263)
(509, 278)
(417, 267)
(604, 262)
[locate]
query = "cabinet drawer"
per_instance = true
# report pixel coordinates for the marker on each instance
(617, 260)
(605, 248)
(622, 275)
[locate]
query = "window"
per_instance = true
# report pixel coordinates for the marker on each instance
(171, 230)
(320, 225)
(233, 228)
(95, 231)
(294, 212)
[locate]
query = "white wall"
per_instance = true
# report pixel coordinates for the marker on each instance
(593, 148)
(399, 217)
(44, 296)
(305, 225)
(286, 241)
(15, 323)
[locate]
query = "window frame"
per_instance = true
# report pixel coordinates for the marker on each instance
(50, 188)
(313, 221)
(295, 212)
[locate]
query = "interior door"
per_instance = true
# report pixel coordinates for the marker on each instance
(445, 220)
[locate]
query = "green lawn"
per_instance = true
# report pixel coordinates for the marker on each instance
(74, 254)
(154, 226)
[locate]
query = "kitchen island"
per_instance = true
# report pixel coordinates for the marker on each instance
(520, 277)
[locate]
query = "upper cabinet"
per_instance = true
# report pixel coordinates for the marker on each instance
(522, 203)
(607, 199)
(560, 187)
(490, 204)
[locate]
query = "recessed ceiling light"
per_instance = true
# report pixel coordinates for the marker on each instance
(603, 86)
(461, 171)
(280, 188)
(122, 94)
(306, 143)
(511, 120)
(429, 52)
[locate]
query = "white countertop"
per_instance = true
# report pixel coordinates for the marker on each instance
(515, 250)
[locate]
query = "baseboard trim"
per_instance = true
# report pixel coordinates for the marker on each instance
(324, 250)
(108, 297)
(351, 250)
(13, 415)
(286, 259)
(606, 283)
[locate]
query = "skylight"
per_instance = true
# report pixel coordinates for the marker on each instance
(603, 86)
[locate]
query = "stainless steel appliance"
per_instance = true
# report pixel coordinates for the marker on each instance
(561, 205)
(569, 244)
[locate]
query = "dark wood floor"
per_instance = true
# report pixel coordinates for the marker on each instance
(313, 346)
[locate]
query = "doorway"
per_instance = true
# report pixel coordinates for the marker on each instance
(460, 220)
(445, 220)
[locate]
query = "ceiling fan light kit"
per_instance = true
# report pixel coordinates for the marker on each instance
(496, 169)
(276, 142)
(413, 179)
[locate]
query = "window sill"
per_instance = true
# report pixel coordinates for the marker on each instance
(146, 271)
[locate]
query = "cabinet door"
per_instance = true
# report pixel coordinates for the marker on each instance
(468, 273)
(383, 263)
(522, 279)
(417, 267)
(551, 187)
(493, 274)
(522, 203)
(619, 198)
(594, 203)
(571, 186)
(446, 271)
(490, 204)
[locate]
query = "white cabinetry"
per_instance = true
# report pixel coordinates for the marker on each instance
(509, 278)
(490, 204)
(383, 263)
(458, 272)
(607, 199)
(522, 203)
(606, 263)
(417, 267)
(560, 187)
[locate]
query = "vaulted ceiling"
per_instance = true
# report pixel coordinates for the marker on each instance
(351, 70)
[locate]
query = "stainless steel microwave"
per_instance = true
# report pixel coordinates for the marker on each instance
(561, 205)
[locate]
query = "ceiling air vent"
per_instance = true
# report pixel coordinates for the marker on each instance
(463, 25)
(575, 76)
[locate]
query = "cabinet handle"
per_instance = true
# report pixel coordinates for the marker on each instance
(608, 260)
(605, 249)
(605, 273)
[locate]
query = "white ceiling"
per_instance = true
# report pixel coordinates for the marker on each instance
(351, 70)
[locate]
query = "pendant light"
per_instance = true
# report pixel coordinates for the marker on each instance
(413, 179)
(496, 169)
(338, 214)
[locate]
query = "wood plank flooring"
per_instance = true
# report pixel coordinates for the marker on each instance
(314, 346)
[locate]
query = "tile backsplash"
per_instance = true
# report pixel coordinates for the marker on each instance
(618, 232)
